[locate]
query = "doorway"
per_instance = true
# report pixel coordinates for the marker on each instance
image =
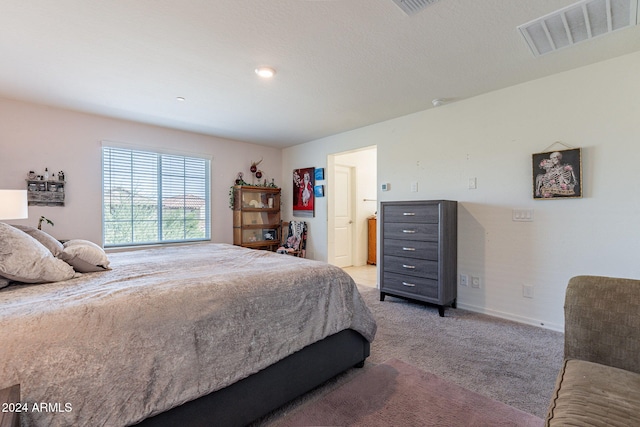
(351, 200)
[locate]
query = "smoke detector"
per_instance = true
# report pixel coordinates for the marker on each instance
(578, 22)
(411, 7)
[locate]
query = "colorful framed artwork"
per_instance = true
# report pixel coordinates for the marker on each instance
(303, 192)
(557, 174)
(319, 175)
(318, 190)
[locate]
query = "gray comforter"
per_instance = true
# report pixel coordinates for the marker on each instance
(163, 327)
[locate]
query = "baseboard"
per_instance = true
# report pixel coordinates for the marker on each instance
(510, 316)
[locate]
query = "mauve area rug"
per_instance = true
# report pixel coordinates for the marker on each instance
(395, 393)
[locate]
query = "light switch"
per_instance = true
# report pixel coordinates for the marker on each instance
(522, 215)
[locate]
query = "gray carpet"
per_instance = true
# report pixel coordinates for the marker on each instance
(395, 393)
(507, 361)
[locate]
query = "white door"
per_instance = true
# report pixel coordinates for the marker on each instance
(343, 216)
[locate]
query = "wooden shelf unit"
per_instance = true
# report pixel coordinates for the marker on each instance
(256, 217)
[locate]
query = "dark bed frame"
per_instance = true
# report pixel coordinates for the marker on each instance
(255, 396)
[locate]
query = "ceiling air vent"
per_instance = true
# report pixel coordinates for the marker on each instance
(411, 7)
(578, 22)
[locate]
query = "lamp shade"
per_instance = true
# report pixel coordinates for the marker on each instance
(13, 204)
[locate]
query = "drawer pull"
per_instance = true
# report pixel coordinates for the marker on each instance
(409, 231)
(408, 266)
(408, 249)
(411, 285)
(409, 214)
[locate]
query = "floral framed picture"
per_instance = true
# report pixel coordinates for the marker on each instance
(557, 174)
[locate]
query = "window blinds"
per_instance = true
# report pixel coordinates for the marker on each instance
(153, 197)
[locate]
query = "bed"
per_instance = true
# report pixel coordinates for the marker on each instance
(203, 334)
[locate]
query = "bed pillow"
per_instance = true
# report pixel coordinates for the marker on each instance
(47, 240)
(24, 259)
(84, 256)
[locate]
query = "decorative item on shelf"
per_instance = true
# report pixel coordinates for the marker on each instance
(32, 175)
(61, 176)
(43, 219)
(46, 174)
(240, 180)
(269, 234)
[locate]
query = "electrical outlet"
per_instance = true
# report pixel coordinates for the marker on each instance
(475, 282)
(464, 280)
(527, 291)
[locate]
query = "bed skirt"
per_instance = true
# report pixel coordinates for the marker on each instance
(255, 396)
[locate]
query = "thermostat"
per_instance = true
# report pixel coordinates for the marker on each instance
(385, 186)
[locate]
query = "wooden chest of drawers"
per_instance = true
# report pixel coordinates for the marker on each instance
(419, 250)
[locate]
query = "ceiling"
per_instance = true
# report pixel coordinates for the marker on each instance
(341, 64)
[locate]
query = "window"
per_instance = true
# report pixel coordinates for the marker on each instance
(154, 198)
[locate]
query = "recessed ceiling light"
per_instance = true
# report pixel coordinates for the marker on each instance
(180, 99)
(265, 72)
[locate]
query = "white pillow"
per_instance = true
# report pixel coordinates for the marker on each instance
(24, 259)
(84, 256)
(48, 241)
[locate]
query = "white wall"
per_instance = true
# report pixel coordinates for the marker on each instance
(492, 138)
(33, 137)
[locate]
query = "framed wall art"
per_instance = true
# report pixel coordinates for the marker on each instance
(303, 197)
(557, 174)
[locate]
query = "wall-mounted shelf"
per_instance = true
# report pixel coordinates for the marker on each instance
(45, 193)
